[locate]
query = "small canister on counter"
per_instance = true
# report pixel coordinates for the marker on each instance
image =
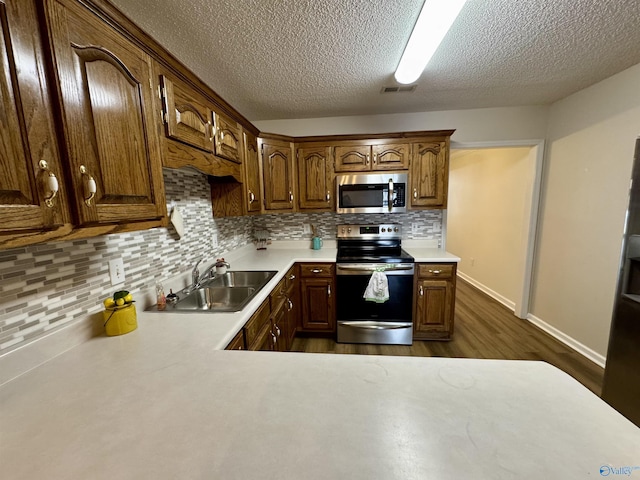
(120, 320)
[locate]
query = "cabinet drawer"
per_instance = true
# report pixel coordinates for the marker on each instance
(317, 269)
(276, 297)
(291, 277)
(255, 324)
(237, 343)
(436, 270)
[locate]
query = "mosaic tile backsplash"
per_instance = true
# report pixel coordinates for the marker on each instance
(43, 287)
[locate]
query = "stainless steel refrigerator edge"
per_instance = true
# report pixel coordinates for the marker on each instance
(621, 387)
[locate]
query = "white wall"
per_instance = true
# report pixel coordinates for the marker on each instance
(487, 218)
(477, 125)
(588, 163)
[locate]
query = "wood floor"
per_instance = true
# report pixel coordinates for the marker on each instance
(484, 328)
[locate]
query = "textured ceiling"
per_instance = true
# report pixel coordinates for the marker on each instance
(274, 59)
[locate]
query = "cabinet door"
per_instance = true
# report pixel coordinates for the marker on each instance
(252, 173)
(352, 158)
(187, 119)
(314, 178)
(318, 305)
(277, 169)
(429, 175)
(27, 200)
(228, 140)
(390, 157)
(434, 309)
(112, 139)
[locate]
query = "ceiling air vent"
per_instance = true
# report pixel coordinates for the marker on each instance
(399, 89)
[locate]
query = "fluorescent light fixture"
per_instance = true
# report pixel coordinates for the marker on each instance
(435, 20)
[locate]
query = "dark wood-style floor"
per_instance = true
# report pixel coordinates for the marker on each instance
(484, 328)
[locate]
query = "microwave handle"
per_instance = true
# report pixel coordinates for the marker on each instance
(390, 199)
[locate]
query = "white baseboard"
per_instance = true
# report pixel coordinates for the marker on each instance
(570, 342)
(483, 288)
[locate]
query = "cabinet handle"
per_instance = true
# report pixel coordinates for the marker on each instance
(221, 135)
(375, 158)
(292, 277)
(252, 197)
(290, 304)
(90, 187)
(277, 330)
(52, 186)
(273, 339)
(290, 196)
(368, 157)
(421, 291)
(415, 193)
(435, 272)
(329, 290)
(316, 270)
(328, 196)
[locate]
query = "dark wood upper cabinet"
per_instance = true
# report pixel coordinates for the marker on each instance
(277, 170)
(364, 158)
(32, 190)
(429, 175)
(105, 91)
(252, 173)
(187, 118)
(228, 140)
(315, 176)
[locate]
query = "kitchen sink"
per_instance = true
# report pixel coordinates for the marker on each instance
(228, 292)
(221, 299)
(241, 279)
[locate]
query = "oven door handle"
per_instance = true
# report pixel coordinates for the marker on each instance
(373, 269)
(374, 327)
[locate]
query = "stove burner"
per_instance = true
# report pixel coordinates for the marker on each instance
(371, 244)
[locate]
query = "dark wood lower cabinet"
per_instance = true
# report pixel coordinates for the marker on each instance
(435, 287)
(317, 297)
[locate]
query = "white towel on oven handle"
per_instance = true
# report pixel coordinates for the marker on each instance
(378, 288)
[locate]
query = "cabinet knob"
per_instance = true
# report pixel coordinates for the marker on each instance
(421, 291)
(292, 277)
(90, 187)
(252, 197)
(415, 193)
(328, 196)
(51, 184)
(290, 197)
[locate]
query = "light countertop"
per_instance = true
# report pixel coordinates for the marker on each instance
(161, 403)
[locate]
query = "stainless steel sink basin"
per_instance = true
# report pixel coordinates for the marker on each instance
(241, 279)
(221, 299)
(229, 292)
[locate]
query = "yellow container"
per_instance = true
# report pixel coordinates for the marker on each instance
(120, 320)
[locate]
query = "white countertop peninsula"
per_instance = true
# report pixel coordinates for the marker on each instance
(161, 403)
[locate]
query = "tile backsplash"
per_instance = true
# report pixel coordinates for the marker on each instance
(46, 286)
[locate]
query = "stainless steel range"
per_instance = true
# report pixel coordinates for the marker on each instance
(363, 250)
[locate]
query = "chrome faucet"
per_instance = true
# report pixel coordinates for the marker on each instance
(195, 278)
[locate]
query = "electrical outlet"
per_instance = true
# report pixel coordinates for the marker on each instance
(307, 228)
(414, 228)
(116, 271)
(214, 240)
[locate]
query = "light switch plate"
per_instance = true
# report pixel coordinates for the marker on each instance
(116, 271)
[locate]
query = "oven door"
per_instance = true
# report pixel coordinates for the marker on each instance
(362, 321)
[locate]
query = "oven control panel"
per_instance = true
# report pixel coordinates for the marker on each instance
(384, 230)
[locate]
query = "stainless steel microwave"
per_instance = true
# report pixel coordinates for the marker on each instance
(371, 193)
